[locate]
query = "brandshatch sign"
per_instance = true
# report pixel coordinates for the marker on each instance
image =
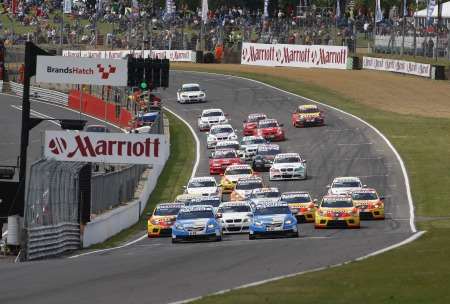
(115, 148)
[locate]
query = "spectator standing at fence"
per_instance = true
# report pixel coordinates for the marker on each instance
(366, 29)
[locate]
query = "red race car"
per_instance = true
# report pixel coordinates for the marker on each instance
(307, 115)
(270, 129)
(221, 159)
(250, 124)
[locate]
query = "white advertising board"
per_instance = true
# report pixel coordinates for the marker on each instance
(114, 148)
(60, 69)
(291, 55)
(172, 55)
(397, 66)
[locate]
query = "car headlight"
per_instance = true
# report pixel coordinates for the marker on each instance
(288, 222)
(246, 220)
(154, 222)
(257, 223)
(274, 170)
(211, 138)
(211, 226)
(232, 136)
(299, 169)
(184, 96)
(202, 94)
(179, 226)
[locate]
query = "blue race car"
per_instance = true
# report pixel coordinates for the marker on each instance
(272, 219)
(196, 223)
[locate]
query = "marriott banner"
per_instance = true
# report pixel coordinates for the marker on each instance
(292, 55)
(76, 70)
(114, 148)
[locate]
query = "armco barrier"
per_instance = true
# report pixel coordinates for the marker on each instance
(48, 241)
(97, 107)
(41, 94)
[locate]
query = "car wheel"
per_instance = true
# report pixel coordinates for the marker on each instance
(174, 241)
(251, 237)
(218, 238)
(295, 235)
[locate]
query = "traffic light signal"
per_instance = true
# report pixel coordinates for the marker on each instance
(152, 73)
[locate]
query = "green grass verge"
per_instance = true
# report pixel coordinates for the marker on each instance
(175, 175)
(416, 273)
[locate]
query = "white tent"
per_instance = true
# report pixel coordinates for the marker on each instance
(445, 11)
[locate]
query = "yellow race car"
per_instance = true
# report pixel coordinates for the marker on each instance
(337, 211)
(232, 174)
(244, 188)
(370, 205)
(301, 205)
(163, 217)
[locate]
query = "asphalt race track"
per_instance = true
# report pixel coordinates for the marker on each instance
(156, 271)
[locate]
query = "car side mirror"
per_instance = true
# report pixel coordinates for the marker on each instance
(381, 198)
(304, 161)
(364, 186)
(328, 186)
(218, 215)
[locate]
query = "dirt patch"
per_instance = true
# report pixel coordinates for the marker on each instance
(385, 91)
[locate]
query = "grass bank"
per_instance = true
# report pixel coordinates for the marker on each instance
(175, 175)
(415, 273)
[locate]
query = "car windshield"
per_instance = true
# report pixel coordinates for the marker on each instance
(286, 160)
(195, 215)
(253, 141)
(190, 89)
(269, 151)
(266, 194)
(200, 184)
(227, 146)
(273, 210)
(221, 130)
(364, 196)
(346, 184)
(270, 124)
(96, 129)
(296, 198)
(248, 186)
(308, 110)
(166, 211)
(212, 114)
(224, 154)
(332, 203)
(205, 202)
(241, 171)
(255, 118)
(231, 209)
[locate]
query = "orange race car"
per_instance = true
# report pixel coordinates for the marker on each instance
(370, 205)
(307, 115)
(161, 221)
(337, 211)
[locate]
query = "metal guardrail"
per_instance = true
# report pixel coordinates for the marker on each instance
(41, 94)
(49, 241)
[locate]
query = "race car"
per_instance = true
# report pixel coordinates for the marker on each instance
(218, 133)
(196, 223)
(232, 174)
(161, 221)
(370, 205)
(344, 185)
(213, 201)
(272, 219)
(191, 92)
(203, 186)
(244, 188)
(307, 115)
(264, 157)
(184, 198)
(250, 144)
(211, 117)
(301, 204)
(264, 195)
(221, 159)
(250, 124)
(230, 144)
(337, 211)
(288, 166)
(270, 129)
(235, 216)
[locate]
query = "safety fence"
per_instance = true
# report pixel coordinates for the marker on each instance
(104, 197)
(41, 94)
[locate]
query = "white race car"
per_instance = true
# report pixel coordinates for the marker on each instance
(191, 92)
(218, 133)
(265, 194)
(205, 186)
(345, 185)
(288, 166)
(230, 144)
(250, 144)
(236, 216)
(211, 117)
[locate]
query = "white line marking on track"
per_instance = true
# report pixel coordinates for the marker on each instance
(38, 115)
(355, 144)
